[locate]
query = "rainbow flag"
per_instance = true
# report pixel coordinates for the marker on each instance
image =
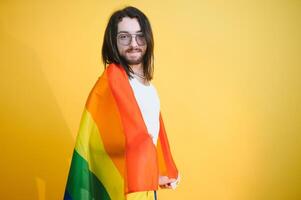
(114, 155)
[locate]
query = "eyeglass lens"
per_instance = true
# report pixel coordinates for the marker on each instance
(126, 38)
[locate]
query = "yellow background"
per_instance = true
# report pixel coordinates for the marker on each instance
(228, 76)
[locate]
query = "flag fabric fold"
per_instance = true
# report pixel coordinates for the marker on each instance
(114, 155)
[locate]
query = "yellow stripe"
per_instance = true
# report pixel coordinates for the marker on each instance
(144, 195)
(90, 146)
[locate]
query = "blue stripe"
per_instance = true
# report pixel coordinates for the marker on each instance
(67, 196)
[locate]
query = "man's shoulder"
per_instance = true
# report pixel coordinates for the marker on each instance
(115, 70)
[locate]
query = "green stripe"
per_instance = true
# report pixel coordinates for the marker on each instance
(83, 184)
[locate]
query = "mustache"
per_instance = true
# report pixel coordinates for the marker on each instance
(133, 49)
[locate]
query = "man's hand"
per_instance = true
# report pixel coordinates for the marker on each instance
(165, 182)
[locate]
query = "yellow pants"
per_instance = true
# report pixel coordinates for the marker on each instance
(145, 195)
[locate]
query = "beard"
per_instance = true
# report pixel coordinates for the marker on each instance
(133, 59)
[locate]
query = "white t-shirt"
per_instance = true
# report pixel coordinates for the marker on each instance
(149, 104)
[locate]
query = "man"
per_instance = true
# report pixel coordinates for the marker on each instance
(122, 150)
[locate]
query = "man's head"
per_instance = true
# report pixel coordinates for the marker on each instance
(128, 40)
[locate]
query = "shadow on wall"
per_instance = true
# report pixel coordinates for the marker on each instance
(34, 134)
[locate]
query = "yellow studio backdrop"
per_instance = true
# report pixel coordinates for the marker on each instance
(228, 74)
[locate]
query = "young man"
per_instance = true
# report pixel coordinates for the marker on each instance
(122, 150)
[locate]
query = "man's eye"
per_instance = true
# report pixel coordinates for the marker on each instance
(123, 37)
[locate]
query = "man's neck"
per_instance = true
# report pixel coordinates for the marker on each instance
(137, 68)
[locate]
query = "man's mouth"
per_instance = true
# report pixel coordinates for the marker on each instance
(134, 51)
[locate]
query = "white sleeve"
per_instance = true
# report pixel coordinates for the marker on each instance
(176, 182)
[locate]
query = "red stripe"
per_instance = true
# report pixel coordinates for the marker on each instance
(170, 167)
(141, 159)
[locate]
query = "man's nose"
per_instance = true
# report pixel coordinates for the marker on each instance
(133, 41)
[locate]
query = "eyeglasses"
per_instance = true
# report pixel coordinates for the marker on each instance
(126, 38)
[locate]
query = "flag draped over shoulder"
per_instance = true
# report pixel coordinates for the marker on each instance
(114, 155)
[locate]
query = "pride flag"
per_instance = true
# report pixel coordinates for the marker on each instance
(114, 155)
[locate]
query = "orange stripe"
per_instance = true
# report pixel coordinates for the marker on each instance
(161, 161)
(101, 105)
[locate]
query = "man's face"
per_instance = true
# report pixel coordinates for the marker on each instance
(131, 43)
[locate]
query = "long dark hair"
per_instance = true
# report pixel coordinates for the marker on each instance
(109, 48)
